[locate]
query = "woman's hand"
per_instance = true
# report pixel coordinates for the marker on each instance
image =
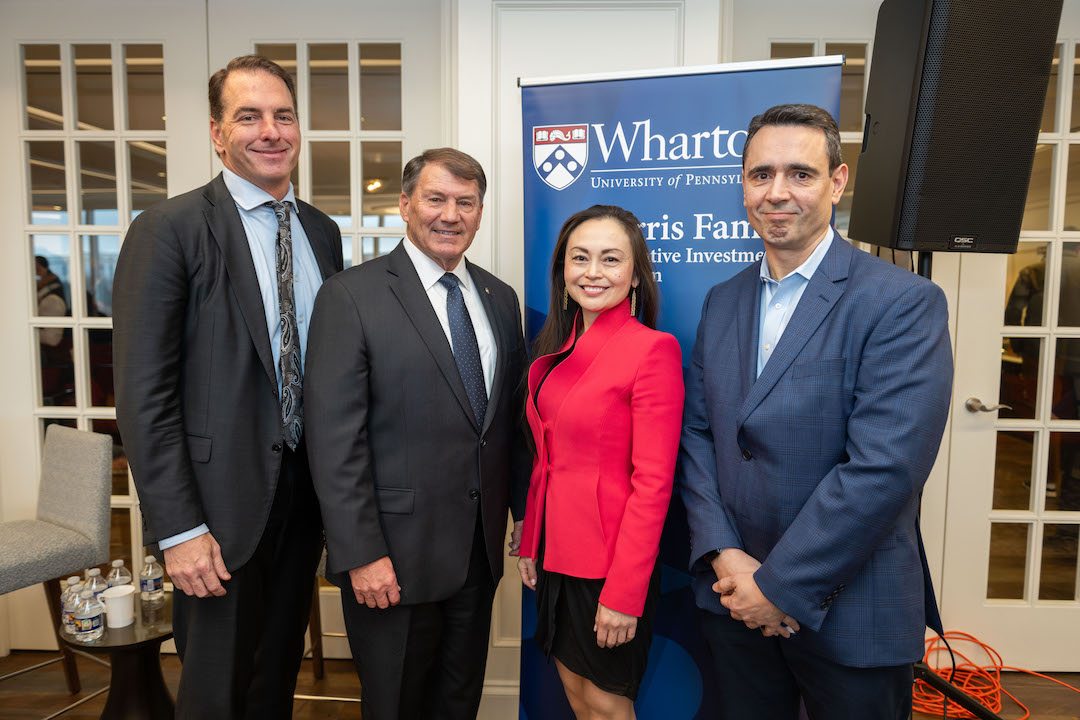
(613, 627)
(527, 568)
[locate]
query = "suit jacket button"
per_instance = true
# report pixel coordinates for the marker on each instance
(474, 494)
(747, 455)
(483, 442)
(276, 447)
(825, 605)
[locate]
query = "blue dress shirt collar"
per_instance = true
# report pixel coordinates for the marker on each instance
(809, 266)
(248, 195)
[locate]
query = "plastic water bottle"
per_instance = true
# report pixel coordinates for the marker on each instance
(65, 587)
(65, 590)
(95, 583)
(71, 604)
(119, 575)
(88, 624)
(151, 580)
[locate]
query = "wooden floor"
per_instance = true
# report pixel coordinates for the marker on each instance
(1045, 700)
(41, 692)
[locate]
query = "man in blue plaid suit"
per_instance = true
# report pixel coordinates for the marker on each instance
(816, 397)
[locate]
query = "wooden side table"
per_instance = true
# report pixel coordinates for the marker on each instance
(137, 688)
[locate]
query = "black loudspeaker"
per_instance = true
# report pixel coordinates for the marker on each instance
(952, 118)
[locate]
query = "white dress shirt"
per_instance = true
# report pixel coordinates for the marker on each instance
(430, 272)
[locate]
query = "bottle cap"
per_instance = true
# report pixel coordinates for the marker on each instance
(118, 563)
(149, 559)
(73, 580)
(77, 587)
(86, 593)
(93, 571)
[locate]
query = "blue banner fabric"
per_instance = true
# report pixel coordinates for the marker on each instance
(667, 147)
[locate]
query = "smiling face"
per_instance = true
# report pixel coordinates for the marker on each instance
(599, 266)
(442, 214)
(258, 137)
(789, 192)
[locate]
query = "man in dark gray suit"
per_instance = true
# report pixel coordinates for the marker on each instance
(417, 449)
(212, 296)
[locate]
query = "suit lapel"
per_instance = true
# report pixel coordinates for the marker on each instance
(822, 293)
(228, 232)
(746, 318)
(321, 244)
(405, 284)
(502, 344)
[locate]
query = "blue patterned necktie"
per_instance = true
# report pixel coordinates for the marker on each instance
(292, 377)
(466, 350)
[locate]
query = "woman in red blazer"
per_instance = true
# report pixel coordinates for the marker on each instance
(605, 409)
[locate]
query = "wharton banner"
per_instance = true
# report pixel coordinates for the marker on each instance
(666, 145)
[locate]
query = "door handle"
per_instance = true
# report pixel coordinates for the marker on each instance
(975, 405)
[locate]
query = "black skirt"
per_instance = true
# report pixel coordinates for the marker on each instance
(566, 612)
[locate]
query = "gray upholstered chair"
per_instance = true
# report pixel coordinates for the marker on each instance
(71, 531)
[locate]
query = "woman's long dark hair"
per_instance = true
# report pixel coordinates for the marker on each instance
(560, 323)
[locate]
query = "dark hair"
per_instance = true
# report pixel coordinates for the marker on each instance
(807, 115)
(459, 164)
(246, 63)
(42, 261)
(560, 323)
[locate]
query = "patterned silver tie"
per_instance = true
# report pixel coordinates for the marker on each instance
(292, 376)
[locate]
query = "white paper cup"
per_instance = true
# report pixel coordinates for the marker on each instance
(119, 605)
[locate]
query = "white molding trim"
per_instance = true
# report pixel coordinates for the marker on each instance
(727, 31)
(505, 688)
(498, 640)
(678, 71)
(449, 24)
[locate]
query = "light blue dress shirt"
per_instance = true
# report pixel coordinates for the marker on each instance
(779, 298)
(260, 226)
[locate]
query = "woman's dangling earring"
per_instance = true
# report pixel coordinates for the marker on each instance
(633, 302)
(565, 298)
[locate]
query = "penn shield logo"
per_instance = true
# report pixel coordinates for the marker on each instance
(560, 153)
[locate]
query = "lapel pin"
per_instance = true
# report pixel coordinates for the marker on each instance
(487, 291)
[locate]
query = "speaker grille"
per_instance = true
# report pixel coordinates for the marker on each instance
(924, 122)
(958, 161)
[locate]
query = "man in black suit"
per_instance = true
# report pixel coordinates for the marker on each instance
(212, 295)
(415, 361)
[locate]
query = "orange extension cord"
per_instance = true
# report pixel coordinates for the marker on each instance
(982, 682)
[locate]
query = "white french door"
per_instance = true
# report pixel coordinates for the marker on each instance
(111, 116)
(1011, 560)
(99, 124)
